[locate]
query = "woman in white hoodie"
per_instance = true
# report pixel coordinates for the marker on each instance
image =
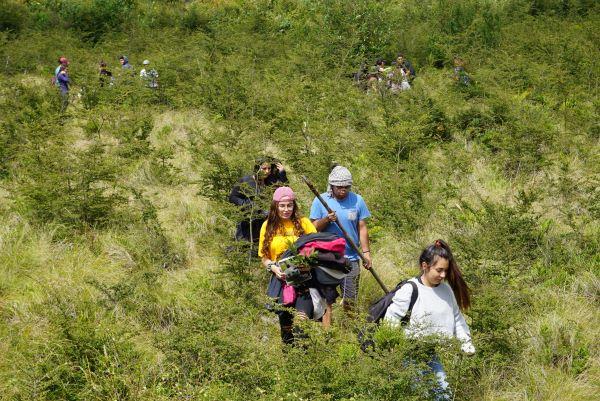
(442, 294)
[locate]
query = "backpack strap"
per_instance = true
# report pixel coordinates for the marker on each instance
(413, 299)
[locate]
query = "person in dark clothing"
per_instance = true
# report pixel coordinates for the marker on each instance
(402, 62)
(125, 63)
(105, 75)
(459, 74)
(360, 77)
(63, 83)
(243, 194)
(127, 70)
(379, 76)
(376, 73)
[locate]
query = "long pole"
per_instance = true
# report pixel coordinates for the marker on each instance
(345, 233)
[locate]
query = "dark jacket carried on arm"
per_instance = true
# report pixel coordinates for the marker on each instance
(328, 269)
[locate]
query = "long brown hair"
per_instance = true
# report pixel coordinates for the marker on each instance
(440, 249)
(275, 225)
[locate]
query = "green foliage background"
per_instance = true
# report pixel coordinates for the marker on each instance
(118, 278)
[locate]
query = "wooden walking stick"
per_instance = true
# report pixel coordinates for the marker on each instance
(350, 241)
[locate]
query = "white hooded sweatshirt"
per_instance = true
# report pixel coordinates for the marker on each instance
(435, 312)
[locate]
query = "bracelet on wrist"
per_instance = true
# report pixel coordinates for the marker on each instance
(367, 251)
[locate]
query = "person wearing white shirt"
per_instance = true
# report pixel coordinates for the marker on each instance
(442, 295)
(149, 75)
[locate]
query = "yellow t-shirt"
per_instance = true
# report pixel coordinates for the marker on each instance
(282, 239)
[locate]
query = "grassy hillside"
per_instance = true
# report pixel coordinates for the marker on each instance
(118, 277)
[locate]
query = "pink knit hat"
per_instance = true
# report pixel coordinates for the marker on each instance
(284, 194)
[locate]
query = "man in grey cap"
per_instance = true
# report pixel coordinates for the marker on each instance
(350, 210)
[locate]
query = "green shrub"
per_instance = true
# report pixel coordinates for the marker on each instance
(197, 17)
(83, 351)
(94, 18)
(564, 348)
(562, 7)
(30, 117)
(13, 16)
(505, 237)
(77, 190)
(150, 244)
(124, 197)
(489, 25)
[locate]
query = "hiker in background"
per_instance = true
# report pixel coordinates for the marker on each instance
(399, 80)
(351, 211)
(381, 67)
(283, 227)
(402, 62)
(442, 295)
(62, 62)
(460, 75)
(63, 83)
(125, 63)
(361, 74)
(361, 77)
(105, 75)
(402, 75)
(378, 75)
(243, 194)
(127, 72)
(149, 75)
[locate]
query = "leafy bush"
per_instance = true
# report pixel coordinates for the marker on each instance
(13, 16)
(92, 18)
(563, 8)
(77, 189)
(119, 276)
(196, 17)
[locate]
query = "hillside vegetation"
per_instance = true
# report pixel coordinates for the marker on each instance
(118, 276)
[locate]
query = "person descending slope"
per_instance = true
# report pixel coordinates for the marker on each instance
(62, 62)
(125, 63)
(63, 83)
(105, 76)
(245, 192)
(459, 74)
(379, 74)
(399, 80)
(442, 294)
(403, 62)
(282, 227)
(351, 211)
(149, 75)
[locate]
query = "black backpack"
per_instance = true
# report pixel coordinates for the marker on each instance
(377, 312)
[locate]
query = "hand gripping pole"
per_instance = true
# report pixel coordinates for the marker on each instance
(345, 233)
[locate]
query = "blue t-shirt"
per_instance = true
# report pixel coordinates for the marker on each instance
(56, 71)
(349, 211)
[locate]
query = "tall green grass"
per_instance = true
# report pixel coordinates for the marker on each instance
(118, 277)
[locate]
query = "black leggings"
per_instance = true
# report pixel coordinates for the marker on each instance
(286, 319)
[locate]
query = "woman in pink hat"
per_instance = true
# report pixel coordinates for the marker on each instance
(282, 228)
